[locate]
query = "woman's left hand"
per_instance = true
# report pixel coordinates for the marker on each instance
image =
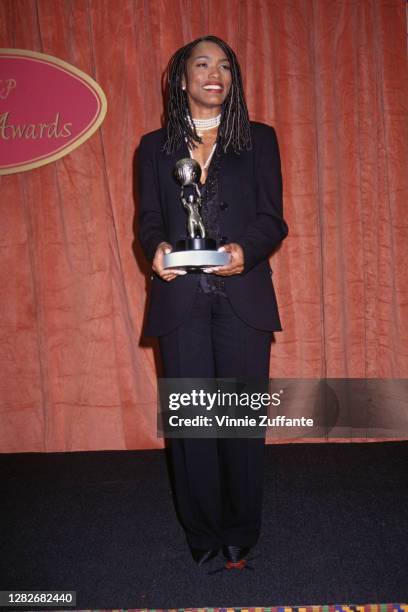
(236, 263)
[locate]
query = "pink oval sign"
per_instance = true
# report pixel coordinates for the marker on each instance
(47, 109)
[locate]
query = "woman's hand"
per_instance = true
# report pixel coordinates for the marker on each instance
(168, 275)
(236, 263)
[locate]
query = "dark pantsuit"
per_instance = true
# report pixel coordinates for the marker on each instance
(218, 482)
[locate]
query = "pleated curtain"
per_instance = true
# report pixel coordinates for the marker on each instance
(331, 77)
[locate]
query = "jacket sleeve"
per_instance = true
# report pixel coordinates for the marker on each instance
(264, 233)
(151, 228)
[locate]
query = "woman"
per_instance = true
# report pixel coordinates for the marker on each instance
(217, 323)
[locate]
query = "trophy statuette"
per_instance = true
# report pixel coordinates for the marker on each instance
(197, 251)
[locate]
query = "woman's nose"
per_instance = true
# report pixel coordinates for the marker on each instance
(214, 72)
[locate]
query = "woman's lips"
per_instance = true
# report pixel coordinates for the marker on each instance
(213, 90)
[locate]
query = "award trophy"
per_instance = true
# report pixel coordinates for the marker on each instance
(197, 251)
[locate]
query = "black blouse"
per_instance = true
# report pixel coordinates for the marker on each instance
(210, 207)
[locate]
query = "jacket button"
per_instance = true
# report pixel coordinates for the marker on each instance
(223, 205)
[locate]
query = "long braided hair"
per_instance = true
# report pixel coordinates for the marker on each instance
(234, 127)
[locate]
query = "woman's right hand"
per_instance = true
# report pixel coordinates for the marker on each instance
(168, 275)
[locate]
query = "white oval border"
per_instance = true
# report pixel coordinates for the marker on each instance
(94, 86)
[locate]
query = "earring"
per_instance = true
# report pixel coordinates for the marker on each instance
(183, 87)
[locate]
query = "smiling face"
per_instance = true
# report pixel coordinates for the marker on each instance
(208, 79)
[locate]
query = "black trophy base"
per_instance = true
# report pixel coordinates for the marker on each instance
(196, 244)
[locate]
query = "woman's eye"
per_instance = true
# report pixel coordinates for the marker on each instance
(224, 66)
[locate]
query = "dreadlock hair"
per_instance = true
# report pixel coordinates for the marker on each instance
(234, 128)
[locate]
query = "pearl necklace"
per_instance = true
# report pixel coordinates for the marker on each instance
(205, 166)
(205, 124)
(207, 163)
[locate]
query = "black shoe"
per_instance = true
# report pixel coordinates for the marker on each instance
(234, 554)
(203, 556)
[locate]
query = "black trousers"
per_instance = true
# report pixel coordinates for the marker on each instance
(218, 481)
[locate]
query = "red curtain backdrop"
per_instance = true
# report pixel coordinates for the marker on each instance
(331, 77)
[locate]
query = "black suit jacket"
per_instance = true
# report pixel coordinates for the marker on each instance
(250, 195)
